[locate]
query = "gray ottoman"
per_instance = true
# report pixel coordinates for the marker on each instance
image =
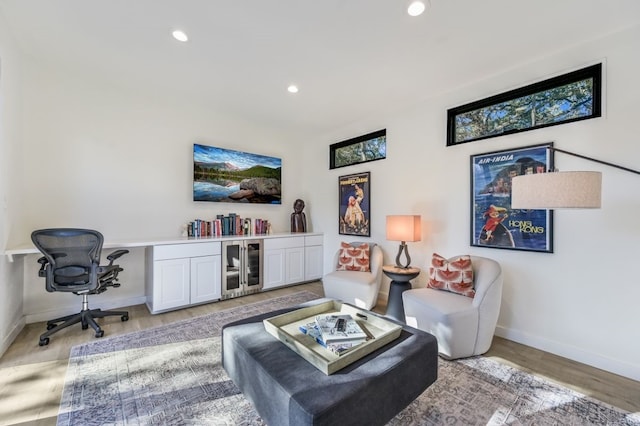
(285, 389)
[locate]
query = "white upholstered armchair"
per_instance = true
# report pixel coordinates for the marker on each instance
(463, 326)
(356, 287)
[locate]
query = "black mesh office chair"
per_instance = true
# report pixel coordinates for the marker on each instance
(71, 263)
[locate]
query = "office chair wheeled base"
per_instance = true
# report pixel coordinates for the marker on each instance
(86, 317)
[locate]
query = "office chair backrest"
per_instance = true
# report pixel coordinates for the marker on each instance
(72, 258)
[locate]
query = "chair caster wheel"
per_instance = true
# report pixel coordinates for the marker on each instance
(43, 342)
(50, 326)
(99, 333)
(125, 318)
(85, 326)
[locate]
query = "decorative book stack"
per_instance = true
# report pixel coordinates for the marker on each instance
(338, 333)
(227, 225)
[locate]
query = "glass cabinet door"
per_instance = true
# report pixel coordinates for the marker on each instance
(232, 277)
(254, 264)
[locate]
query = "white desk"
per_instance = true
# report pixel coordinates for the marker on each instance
(38, 307)
(29, 248)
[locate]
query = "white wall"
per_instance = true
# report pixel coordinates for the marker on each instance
(579, 302)
(102, 157)
(11, 319)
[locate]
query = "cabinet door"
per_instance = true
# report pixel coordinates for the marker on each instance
(205, 279)
(171, 286)
(274, 275)
(313, 266)
(294, 265)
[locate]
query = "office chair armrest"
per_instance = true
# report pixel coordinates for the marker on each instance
(43, 265)
(116, 254)
(102, 270)
(108, 277)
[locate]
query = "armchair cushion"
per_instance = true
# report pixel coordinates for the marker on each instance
(353, 257)
(454, 275)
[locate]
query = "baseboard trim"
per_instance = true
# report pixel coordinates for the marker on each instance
(11, 336)
(55, 313)
(571, 352)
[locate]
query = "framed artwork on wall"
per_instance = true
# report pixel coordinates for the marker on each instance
(494, 223)
(365, 148)
(354, 192)
(226, 175)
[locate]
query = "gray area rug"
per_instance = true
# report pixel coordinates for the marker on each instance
(172, 375)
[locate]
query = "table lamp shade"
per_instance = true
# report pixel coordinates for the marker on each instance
(556, 190)
(404, 228)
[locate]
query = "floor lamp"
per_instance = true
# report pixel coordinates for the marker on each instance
(560, 190)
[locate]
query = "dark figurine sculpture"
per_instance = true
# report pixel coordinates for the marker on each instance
(298, 218)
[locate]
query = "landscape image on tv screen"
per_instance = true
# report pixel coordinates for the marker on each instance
(225, 175)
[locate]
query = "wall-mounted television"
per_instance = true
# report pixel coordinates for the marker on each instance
(225, 175)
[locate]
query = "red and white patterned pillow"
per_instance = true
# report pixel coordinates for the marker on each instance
(353, 258)
(455, 275)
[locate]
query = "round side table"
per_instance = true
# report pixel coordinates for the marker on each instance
(400, 282)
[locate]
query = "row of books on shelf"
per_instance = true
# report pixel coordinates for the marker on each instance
(231, 224)
(337, 333)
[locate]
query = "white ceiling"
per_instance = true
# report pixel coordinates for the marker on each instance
(351, 58)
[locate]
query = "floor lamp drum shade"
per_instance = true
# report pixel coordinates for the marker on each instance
(556, 190)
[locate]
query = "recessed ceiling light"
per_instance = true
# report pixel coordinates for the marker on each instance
(292, 88)
(416, 8)
(180, 35)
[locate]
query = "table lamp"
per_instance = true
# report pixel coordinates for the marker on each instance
(404, 228)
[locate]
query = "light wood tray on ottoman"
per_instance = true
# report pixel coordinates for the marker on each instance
(286, 328)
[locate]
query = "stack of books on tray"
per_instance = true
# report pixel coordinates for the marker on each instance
(338, 333)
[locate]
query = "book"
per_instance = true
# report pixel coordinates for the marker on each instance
(311, 330)
(232, 224)
(340, 328)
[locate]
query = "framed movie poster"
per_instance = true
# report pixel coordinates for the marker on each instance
(494, 223)
(354, 192)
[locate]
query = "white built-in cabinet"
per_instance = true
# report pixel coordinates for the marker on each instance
(283, 261)
(274, 265)
(180, 275)
(205, 278)
(292, 259)
(313, 257)
(189, 273)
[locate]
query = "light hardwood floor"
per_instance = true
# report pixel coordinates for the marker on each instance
(31, 377)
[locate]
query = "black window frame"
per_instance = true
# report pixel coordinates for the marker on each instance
(334, 147)
(591, 72)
